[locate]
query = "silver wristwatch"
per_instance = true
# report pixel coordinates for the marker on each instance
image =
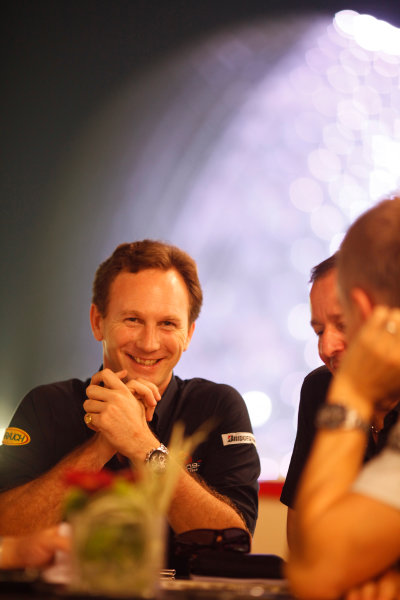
(157, 458)
(338, 416)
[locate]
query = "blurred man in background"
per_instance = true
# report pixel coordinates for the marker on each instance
(346, 527)
(327, 320)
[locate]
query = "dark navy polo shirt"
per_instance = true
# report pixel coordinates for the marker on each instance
(51, 416)
(313, 393)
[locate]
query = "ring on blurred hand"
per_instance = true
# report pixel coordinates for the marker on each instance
(391, 327)
(87, 418)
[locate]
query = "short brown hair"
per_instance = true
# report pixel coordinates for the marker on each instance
(369, 256)
(323, 268)
(147, 254)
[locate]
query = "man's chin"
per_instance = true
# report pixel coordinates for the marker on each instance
(333, 365)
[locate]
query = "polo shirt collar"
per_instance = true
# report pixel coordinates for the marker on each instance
(164, 407)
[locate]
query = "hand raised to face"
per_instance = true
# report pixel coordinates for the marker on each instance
(371, 366)
(119, 411)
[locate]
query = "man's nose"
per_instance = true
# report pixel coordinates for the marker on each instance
(148, 339)
(332, 342)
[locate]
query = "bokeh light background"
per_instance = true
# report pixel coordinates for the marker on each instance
(253, 150)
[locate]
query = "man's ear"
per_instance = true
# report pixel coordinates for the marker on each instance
(189, 336)
(96, 321)
(362, 302)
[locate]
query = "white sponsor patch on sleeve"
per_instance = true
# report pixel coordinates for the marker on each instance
(241, 437)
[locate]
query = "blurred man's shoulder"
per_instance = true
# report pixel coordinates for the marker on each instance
(319, 377)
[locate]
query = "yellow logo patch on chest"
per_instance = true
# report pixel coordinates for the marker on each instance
(14, 436)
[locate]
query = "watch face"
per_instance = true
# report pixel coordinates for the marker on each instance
(331, 416)
(338, 416)
(158, 461)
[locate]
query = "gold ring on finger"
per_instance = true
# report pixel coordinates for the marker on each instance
(87, 418)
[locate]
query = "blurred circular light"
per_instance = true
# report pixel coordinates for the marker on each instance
(326, 221)
(344, 22)
(269, 469)
(335, 140)
(368, 100)
(368, 32)
(349, 115)
(346, 191)
(259, 406)
(324, 165)
(382, 182)
(325, 101)
(290, 388)
(342, 78)
(357, 59)
(386, 153)
(306, 194)
(385, 67)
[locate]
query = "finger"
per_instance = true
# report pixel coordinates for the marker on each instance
(93, 406)
(110, 378)
(102, 394)
(152, 386)
(149, 412)
(143, 391)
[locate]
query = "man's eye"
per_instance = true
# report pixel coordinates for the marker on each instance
(130, 320)
(169, 324)
(341, 327)
(318, 333)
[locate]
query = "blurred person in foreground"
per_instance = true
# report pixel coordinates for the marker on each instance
(346, 528)
(327, 322)
(146, 299)
(36, 550)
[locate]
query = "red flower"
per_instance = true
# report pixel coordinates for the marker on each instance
(94, 481)
(89, 481)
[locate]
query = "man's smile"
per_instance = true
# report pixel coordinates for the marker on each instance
(144, 361)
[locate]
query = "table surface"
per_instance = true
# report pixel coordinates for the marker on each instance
(17, 586)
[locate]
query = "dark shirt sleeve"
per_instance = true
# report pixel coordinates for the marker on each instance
(231, 462)
(47, 425)
(313, 393)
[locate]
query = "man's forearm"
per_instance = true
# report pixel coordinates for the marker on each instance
(194, 506)
(328, 531)
(38, 503)
(317, 547)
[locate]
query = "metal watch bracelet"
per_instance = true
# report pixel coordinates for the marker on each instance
(339, 416)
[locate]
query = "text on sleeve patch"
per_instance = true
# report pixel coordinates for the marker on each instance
(241, 437)
(13, 436)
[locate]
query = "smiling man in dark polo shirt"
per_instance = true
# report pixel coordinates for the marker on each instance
(146, 299)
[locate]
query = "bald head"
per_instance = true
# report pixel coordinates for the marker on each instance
(369, 257)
